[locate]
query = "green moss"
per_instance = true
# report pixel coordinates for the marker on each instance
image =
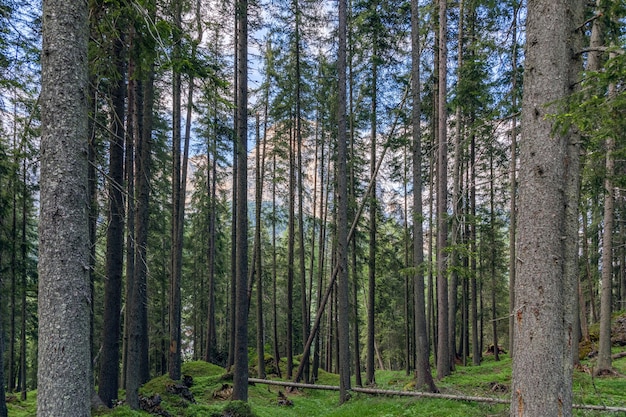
(238, 409)
(201, 368)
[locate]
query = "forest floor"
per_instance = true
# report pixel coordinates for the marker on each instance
(209, 392)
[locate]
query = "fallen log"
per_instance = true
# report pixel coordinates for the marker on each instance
(375, 391)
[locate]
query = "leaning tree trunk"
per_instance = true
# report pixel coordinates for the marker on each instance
(64, 358)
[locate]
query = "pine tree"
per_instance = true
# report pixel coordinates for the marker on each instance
(64, 385)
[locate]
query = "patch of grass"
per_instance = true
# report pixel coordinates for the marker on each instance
(18, 408)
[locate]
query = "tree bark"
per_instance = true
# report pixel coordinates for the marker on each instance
(604, 364)
(443, 342)
(64, 357)
(342, 214)
(137, 371)
(240, 374)
(260, 164)
(513, 179)
(541, 384)
(109, 365)
(371, 284)
(424, 378)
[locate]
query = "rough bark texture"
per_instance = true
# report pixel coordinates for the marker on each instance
(443, 347)
(541, 385)
(174, 356)
(513, 179)
(424, 378)
(64, 385)
(371, 287)
(137, 355)
(342, 214)
(604, 351)
(240, 376)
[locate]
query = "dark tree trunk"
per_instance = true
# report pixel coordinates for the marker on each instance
(371, 286)
(492, 252)
(342, 215)
(109, 365)
(240, 375)
(3, 401)
(274, 272)
(443, 342)
(290, 257)
(424, 378)
(513, 178)
(260, 164)
(174, 361)
(137, 356)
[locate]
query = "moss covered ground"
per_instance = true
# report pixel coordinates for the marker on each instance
(490, 379)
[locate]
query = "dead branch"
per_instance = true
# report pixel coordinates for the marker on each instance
(374, 391)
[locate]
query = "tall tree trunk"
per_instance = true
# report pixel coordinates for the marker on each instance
(64, 357)
(352, 204)
(290, 256)
(134, 125)
(409, 299)
(322, 251)
(3, 402)
(211, 348)
(513, 178)
(303, 293)
(457, 209)
(109, 365)
(23, 272)
(274, 272)
(604, 364)
(137, 356)
(443, 341)
(371, 283)
(571, 269)
(174, 362)
(233, 234)
(342, 215)
(260, 164)
(492, 258)
(240, 375)
(476, 347)
(212, 157)
(424, 378)
(12, 372)
(541, 384)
